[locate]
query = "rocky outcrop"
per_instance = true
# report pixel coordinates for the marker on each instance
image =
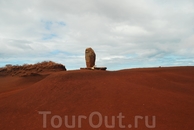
(90, 57)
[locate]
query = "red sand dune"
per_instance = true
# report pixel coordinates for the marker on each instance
(166, 93)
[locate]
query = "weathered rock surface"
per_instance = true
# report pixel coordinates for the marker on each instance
(90, 57)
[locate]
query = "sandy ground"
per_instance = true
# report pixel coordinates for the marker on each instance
(149, 98)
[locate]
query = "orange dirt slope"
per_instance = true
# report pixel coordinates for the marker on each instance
(164, 93)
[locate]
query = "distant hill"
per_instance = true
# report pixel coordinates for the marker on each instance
(31, 69)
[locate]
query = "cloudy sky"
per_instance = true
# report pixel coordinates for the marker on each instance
(123, 33)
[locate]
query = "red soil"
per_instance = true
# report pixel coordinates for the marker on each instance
(166, 93)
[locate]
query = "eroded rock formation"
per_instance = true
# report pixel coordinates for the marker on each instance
(90, 57)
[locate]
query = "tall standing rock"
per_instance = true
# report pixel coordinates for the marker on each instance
(90, 57)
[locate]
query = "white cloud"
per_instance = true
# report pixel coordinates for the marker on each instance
(135, 33)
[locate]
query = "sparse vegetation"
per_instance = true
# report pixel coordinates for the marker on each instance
(31, 69)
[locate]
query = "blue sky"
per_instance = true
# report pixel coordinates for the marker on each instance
(124, 34)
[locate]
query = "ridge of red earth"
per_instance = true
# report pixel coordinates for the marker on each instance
(166, 93)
